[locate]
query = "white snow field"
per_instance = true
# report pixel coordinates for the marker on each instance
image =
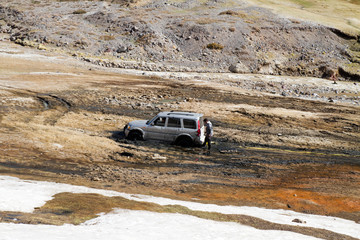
(126, 224)
(24, 195)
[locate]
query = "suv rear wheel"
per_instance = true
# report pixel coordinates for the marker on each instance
(135, 135)
(184, 141)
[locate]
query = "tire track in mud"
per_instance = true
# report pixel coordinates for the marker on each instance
(48, 101)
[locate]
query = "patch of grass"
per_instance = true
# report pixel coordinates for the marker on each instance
(215, 46)
(79, 11)
(78, 208)
(339, 14)
(75, 209)
(234, 13)
(204, 21)
(355, 2)
(355, 46)
(145, 39)
(107, 38)
(121, 2)
(304, 3)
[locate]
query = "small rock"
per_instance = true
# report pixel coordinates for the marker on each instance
(296, 220)
(158, 157)
(58, 145)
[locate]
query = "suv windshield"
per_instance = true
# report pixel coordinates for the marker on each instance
(160, 122)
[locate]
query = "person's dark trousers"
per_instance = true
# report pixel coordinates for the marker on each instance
(208, 141)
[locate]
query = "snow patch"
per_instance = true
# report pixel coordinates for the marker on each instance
(24, 196)
(128, 224)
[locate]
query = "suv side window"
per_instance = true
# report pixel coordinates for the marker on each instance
(174, 122)
(188, 123)
(160, 122)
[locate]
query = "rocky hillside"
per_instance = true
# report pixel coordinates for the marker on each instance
(203, 36)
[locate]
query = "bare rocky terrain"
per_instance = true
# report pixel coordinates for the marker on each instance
(281, 141)
(201, 36)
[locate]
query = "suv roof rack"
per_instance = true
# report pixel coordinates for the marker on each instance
(184, 111)
(180, 113)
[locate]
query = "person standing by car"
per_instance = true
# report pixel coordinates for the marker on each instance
(208, 133)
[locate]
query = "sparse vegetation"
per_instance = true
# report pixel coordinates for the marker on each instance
(145, 39)
(215, 46)
(79, 11)
(304, 3)
(107, 37)
(204, 21)
(121, 2)
(233, 13)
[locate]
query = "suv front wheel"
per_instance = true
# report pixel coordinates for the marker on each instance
(135, 135)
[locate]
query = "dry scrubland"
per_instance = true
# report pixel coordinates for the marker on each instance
(288, 142)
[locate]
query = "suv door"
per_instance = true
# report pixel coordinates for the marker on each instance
(155, 130)
(172, 128)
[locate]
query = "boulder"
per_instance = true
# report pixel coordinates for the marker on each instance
(122, 49)
(239, 68)
(41, 47)
(329, 73)
(266, 68)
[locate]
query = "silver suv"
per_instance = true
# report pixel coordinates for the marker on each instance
(182, 128)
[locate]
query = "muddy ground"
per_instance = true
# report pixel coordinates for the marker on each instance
(61, 120)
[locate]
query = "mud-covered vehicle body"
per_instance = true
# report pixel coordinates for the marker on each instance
(181, 128)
